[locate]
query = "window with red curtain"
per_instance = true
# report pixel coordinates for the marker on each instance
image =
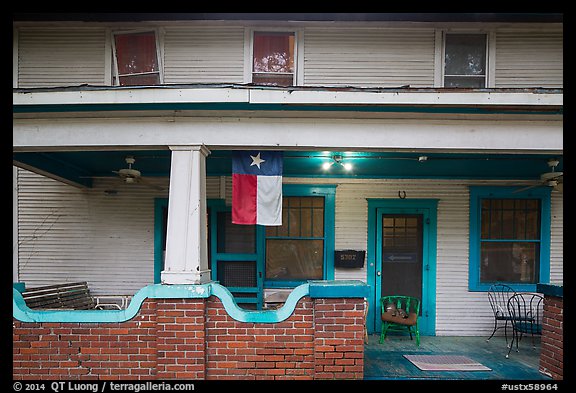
(273, 58)
(136, 59)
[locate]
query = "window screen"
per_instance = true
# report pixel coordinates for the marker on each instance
(136, 59)
(465, 60)
(273, 58)
(295, 250)
(237, 273)
(510, 240)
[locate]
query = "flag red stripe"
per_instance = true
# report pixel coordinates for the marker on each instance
(244, 190)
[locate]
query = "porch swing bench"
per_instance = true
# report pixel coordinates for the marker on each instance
(66, 296)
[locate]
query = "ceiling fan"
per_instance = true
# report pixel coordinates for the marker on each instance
(551, 179)
(133, 176)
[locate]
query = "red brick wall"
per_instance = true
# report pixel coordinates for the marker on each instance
(552, 348)
(237, 350)
(197, 339)
(87, 350)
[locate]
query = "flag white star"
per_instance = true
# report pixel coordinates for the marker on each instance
(256, 160)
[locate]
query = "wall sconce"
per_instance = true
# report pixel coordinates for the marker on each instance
(337, 159)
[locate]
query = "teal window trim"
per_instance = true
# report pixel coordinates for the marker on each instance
(477, 193)
(328, 191)
(159, 205)
(159, 231)
(215, 203)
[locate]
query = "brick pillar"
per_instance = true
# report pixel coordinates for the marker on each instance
(339, 338)
(552, 348)
(181, 338)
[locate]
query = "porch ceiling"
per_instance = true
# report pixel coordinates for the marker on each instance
(79, 167)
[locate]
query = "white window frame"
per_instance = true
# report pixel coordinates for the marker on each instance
(159, 51)
(440, 54)
(298, 51)
(15, 73)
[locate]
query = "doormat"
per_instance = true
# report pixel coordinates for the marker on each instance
(445, 363)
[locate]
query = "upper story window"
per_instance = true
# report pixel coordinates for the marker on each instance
(465, 60)
(273, 58)
(136, 59)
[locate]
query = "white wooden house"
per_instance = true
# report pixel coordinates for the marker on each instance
(452, 124)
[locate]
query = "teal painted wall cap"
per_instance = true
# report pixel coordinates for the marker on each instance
(550, 289)
(338, 289)
(314, 289)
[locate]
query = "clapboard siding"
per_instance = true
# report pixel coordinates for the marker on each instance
(369, 57)
(458, 311)
(212, 187)
(66, 234)
(529, 59)
(362, 57)
(557, 239)
(204, 55)
(49, 57)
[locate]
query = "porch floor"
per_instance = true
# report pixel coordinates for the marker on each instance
(385, 361)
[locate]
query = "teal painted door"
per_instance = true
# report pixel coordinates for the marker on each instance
(233, 256)
(403, 264)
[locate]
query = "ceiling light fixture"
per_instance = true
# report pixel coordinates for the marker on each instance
(337, 159)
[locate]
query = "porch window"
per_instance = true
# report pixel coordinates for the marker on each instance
(511, 242)
(465, 60)
(273, 58)
(295, 250)
(136, 59)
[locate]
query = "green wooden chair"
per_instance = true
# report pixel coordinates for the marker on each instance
(395, 320)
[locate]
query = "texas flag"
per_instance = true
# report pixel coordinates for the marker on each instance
(257, 187)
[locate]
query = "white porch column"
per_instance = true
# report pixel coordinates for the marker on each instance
(186, 238)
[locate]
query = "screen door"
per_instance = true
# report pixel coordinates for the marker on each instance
(401, 272)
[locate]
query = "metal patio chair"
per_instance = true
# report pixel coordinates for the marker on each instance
(498, 296)
(526, 311)
(401, 316)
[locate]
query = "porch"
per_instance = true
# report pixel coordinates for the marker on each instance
(386, 361)
(420, 164)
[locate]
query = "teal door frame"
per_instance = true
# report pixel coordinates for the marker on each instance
(428, 209)
(159, 237)
(217, 206)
